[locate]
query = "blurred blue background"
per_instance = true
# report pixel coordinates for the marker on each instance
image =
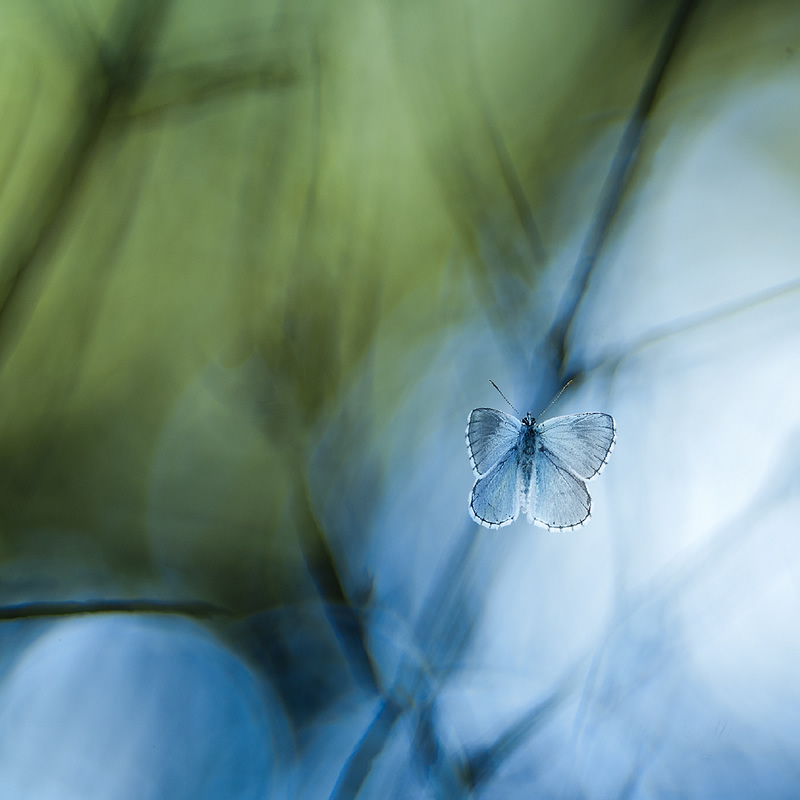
(258, 262)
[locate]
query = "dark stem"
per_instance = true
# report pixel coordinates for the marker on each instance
(616, 184)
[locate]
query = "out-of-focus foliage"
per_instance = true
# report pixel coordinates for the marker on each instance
(257, 263)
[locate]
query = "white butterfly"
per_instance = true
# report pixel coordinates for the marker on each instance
(539, 468)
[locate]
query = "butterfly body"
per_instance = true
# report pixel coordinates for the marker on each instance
(526, 448)
(539, 469)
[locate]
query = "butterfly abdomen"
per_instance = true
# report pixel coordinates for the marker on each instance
(526, 448)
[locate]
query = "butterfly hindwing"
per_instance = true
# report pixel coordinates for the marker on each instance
(490, 435)
(494, 500)
(558, 499)
(580, 442)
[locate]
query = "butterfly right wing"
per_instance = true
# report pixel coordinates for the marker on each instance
(494, 499)
(490, 435)
(581, 442)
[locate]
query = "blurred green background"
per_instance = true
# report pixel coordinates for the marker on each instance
(208, 211)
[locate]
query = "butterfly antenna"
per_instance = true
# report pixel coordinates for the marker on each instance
(504, 397)
(555, 398)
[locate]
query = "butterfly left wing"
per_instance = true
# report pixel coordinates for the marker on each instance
(580, 442)
(558, 500)
(490, 435)
(494, 499)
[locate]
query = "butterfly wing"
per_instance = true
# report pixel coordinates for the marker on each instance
(580, 442)
(490, 435)
(558, 499)
(494, 500)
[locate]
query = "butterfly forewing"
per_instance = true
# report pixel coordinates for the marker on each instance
(494, 500)
(490, 435)
(558, 500)
(581, 442)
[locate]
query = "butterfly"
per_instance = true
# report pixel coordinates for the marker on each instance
(539, 468)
